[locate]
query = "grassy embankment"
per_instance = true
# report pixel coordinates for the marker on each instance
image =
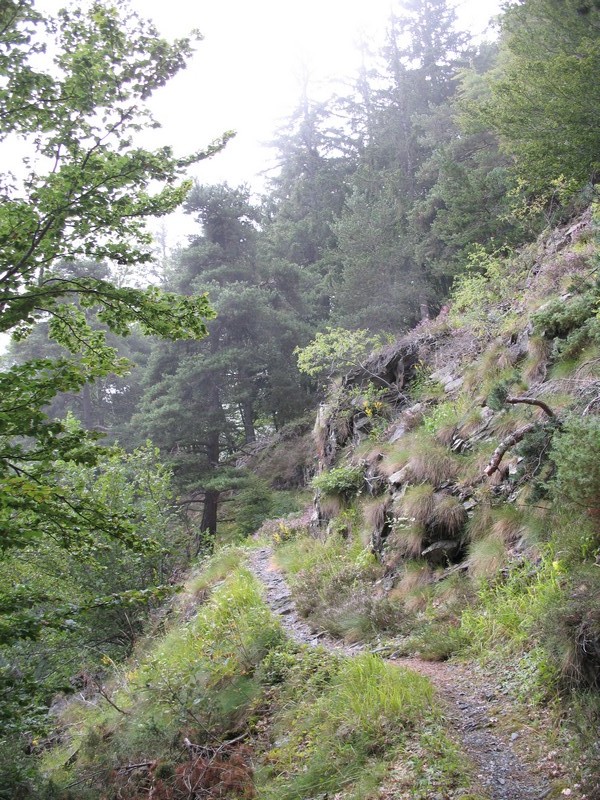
(222, 700)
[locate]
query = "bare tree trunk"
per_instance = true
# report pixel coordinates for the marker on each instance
(87, 412)
(248, 421)
(208, 525)
(505, 445)
(210, 509)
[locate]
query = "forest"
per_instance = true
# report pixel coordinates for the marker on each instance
(421, 277)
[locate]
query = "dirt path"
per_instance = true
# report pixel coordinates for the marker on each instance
(477, 711)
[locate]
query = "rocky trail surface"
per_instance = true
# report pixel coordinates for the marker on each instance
(477, 709)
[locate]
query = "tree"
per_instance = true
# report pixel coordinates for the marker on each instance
(109, 401)
(384, 282)
(299, 242)
(336, 351)
(87, 193)
(546, 95)
(203, 401)
(468, 180)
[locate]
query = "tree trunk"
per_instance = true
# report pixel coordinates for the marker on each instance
(248, 421)
(208, 526)
(210, 510)
(87, 412)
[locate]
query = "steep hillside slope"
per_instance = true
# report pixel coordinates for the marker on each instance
(456, 520)
(458, 482)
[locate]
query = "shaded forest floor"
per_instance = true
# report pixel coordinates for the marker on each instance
(507, 747)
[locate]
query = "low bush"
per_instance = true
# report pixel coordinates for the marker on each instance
(344, 481)
(253, 504)
(559, 318)
(576, 455)
(484, 288)
(284, 529)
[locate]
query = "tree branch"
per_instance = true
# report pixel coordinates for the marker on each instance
(532, 402)
(505, 445)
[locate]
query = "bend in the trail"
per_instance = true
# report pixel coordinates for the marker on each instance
(473, 708)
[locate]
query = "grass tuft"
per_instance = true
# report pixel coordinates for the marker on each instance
(486, 557)
(448, 514)
(330, 741)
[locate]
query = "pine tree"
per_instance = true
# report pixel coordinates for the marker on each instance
(204, 400)
(546, 96)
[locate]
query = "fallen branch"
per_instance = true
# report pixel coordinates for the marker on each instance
(505, 445)
(211, 751)
(531, 402)
(590, 406)
(131, 767)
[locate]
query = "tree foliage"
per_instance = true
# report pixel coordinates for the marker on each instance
(335, 351)
(203, 401)
(73, 90)
(545, 94)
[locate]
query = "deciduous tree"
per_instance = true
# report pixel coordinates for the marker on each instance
(77, 106)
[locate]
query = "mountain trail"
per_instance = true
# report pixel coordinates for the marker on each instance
(478, 711)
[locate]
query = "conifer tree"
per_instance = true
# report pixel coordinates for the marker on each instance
(204, 400)
(546, 96)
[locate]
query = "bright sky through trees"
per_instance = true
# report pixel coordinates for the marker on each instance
(246, 74)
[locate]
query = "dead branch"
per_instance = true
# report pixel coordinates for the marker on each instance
(131, 767)
(505, 445)
(590, 406)
(211, 752)
(202, 748)
(532, 402)
(103, 693)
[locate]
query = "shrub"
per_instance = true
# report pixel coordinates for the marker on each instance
(253, 505)
(559, 317)
(284, 529)
(578, 340)
(336, 351)
(572, 631)
(576, 454)
(485, 283)
(423, 386)
(343, 481)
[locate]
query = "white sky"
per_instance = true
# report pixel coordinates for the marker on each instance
(246, 72)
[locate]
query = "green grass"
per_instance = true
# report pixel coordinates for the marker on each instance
(314, 721)
(332, 582)
(508, 613)
(341, 735)
(198, 680)
(215, 569)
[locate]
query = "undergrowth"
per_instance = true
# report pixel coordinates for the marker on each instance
(223, 702)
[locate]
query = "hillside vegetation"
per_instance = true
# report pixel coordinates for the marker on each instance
(309, 507)
(423, 542)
